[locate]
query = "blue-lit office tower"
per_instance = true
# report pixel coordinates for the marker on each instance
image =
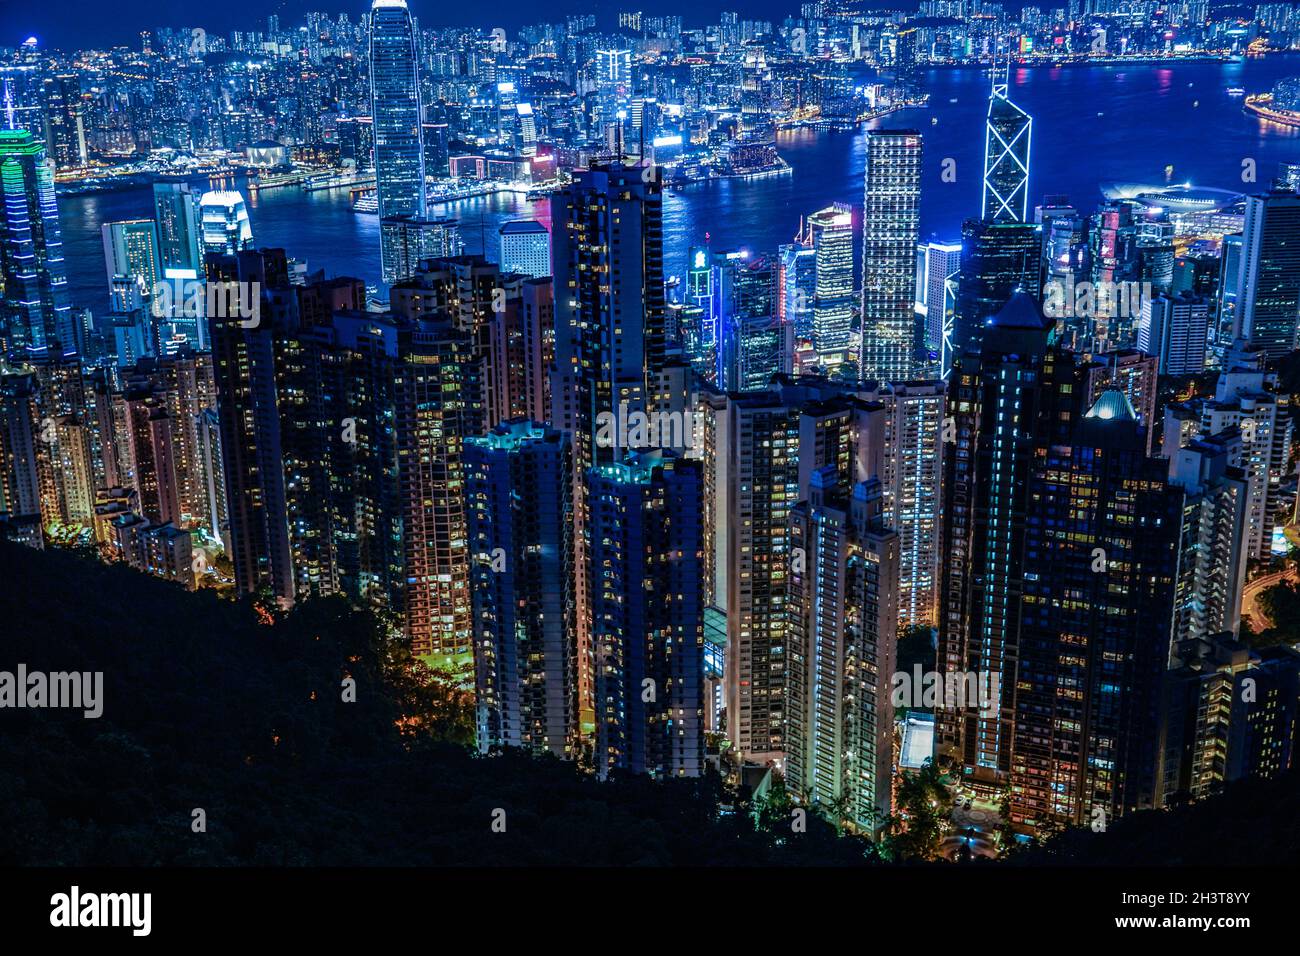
(65, 120)
(1010, 402)
(507, 110)
(831, 232)
(843, 628)
(997, 260)
(714, 291)
(131, 252)
(526, 248)
(613, 76)
(614, 70)
(180, 250)
(132, 265)
(796, 286)
(1268, 285)
(1007, 130)
(1064, 256)
(1100, 551)
(938, 266)
(34, 303)
(1175, 330)
(890, 230)
(224, 216)
(1001, 251)
(395, 108)
(754, 343)
(648, 615)
(180, 238)
(698, 329)
(518, 496)
(905, 59)
(1226, 328)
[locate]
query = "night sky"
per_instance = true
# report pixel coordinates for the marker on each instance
(79, 24)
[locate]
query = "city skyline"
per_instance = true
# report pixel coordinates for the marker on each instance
(968, 546)
(86, 22)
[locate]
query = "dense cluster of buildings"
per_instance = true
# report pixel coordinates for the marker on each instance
(488, 105)
(672, 524)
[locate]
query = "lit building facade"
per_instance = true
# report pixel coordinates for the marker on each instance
(35, 305)
(397, 119)
(843, 634)
(519, 502)
(647, 615)
(890, 230)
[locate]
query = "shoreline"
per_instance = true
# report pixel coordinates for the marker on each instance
(1254, 105)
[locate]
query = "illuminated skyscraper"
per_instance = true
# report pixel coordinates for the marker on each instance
(831, 230)
(1212, 559)
(131, 250)
(614, 72)
(647, 630)
(776, 439)
(697, 320)
(531, 350)
(153, 456)
(34, 304)
(1100, 554)
(997, 260)
(65, 126)
(1228, 328)
(796, 286)
(1246, 400)
(938, 266)
(912, 481)
(519, 500)
(406, 241)
(397, 118)
(905, 59)
(754, 344)
(180, 237)
(843, 633)
(1010, 402)
(357, 141)
(610, 339)
(1007, 131)
(485, 303)
(890, 230)
(226, 229)
(244, 369)
(1268, 289)
(1175, 330)
(526, 248)
(609, 303)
